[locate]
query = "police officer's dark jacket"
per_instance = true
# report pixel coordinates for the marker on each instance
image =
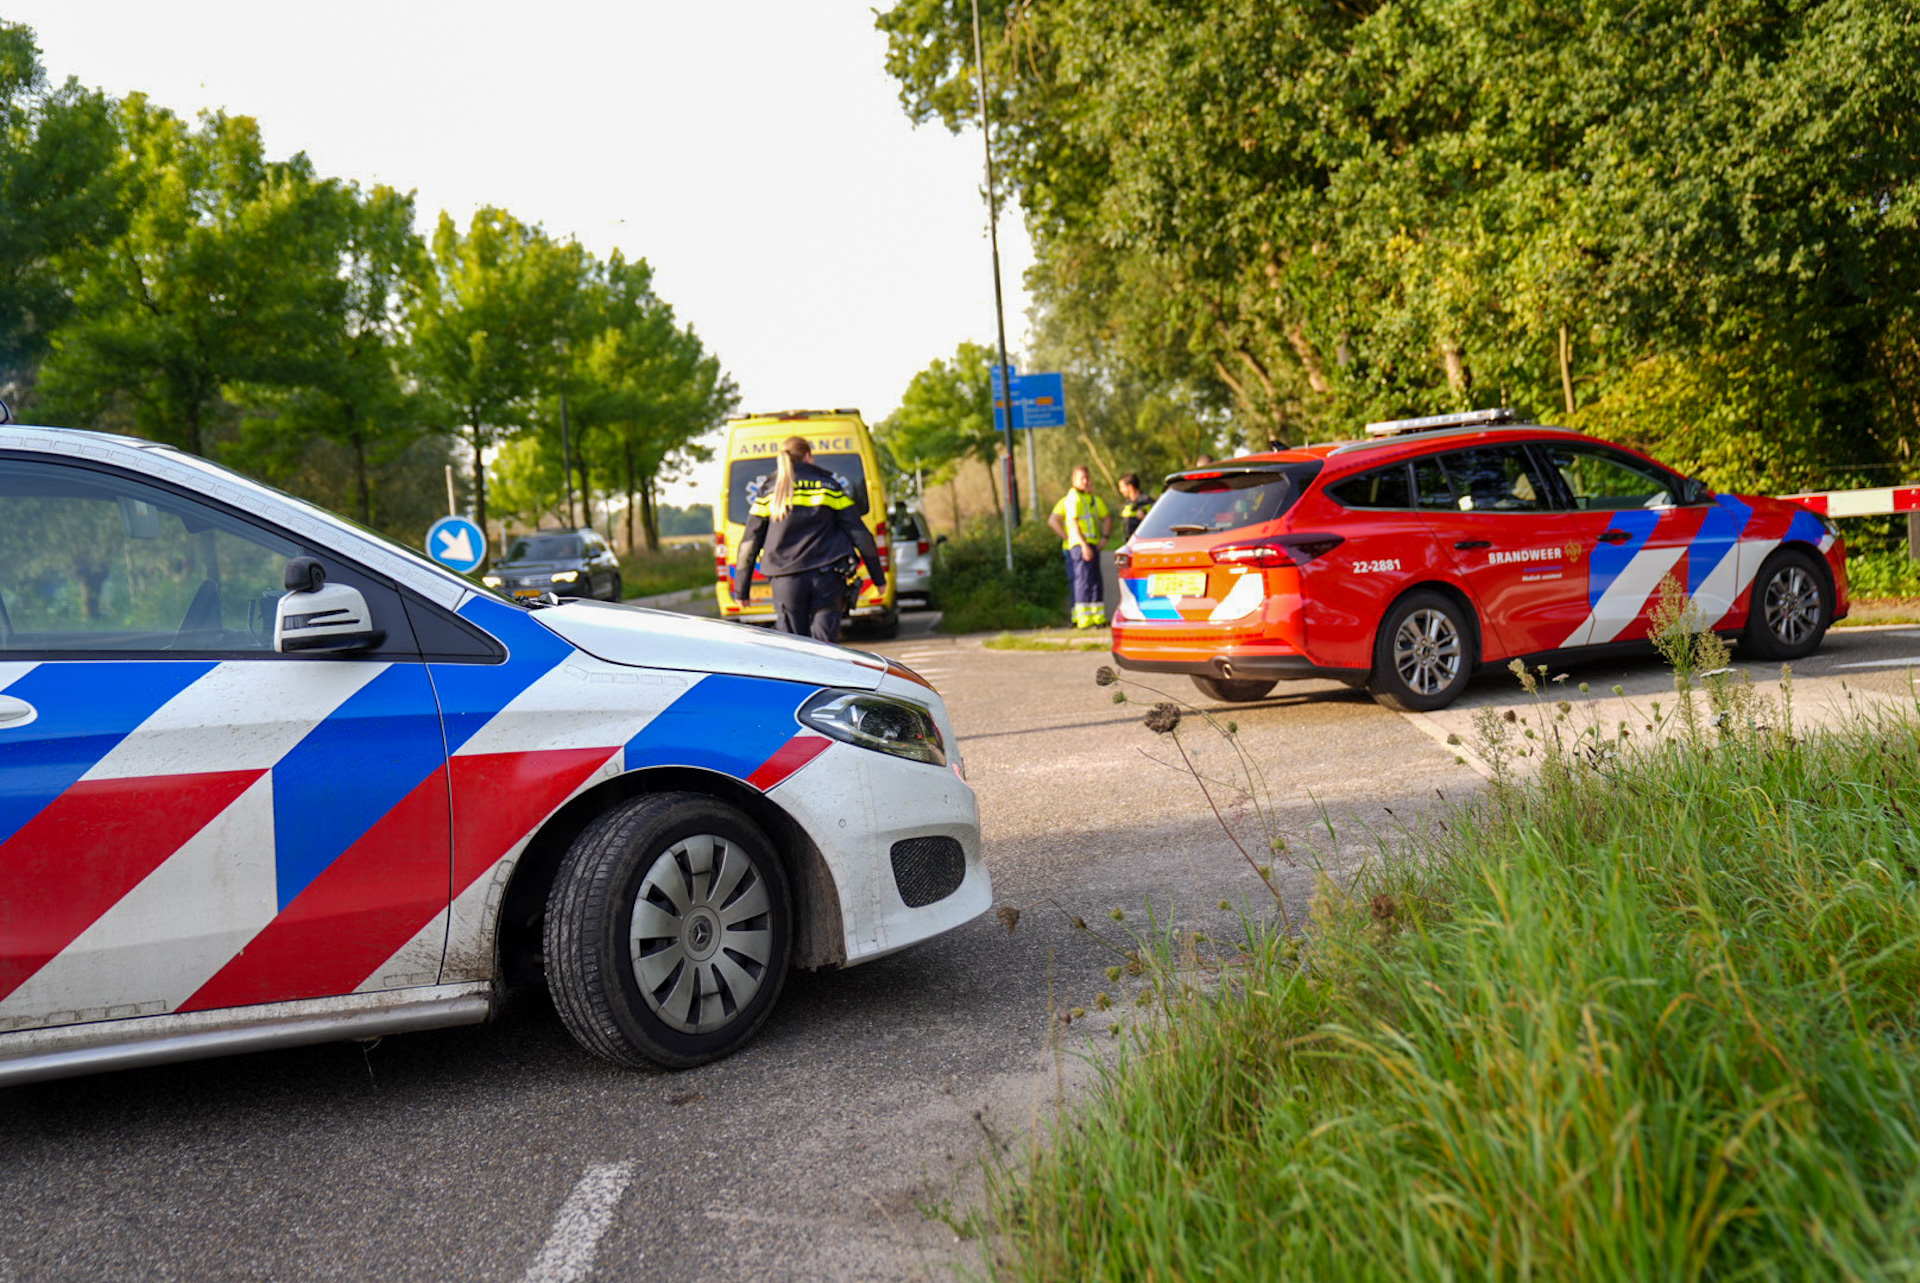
(822, 526)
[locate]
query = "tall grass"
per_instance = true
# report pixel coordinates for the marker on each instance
(1654, 1018)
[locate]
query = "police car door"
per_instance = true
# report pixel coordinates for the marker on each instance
(189, 820)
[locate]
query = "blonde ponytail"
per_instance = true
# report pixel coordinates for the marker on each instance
(792, 450)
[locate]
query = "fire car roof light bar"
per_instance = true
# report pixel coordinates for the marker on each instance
(1472, 418)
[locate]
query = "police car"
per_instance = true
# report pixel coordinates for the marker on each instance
(1408, 560)
(267, 779)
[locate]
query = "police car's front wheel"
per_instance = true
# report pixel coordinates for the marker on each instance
(1424, 653)
(668, 932)
(1791, 607)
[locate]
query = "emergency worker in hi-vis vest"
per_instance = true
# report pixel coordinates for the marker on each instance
(1082, 521)
(813, 538)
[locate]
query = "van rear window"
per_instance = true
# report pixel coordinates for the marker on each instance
(1226, 501)
(746, 478)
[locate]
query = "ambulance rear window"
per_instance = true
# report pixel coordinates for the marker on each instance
(748, 477)
(1228, 500)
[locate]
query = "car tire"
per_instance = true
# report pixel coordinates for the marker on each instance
(882, 627)
(1790, 609)
(618, 592)
(668, 932)
(1424, 654)
(1224, 691)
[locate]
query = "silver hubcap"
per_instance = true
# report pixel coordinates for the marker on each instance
(1792, 605)
(701, 940)
(1427, 652)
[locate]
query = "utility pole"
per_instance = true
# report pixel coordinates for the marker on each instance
(999, 305)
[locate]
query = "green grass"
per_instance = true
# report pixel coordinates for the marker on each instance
(673, 568)
(1654, 1020)
(1050, 640)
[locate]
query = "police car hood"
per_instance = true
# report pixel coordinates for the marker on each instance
(659, 639)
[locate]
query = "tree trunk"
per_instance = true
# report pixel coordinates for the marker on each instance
(1566, 368)
(1459, 375)
(360, 488)
(633, 498)
(479, 486)
(649, 518)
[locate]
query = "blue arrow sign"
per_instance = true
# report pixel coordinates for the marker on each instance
(1039, 401)
(457, 544)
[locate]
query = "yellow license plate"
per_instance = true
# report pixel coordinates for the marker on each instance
(1178, 583)
(528, 592)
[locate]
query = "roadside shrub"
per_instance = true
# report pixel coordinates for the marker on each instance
(976, 591)
(1882, 574)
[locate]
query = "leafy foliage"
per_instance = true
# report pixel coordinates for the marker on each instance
(1693, 226)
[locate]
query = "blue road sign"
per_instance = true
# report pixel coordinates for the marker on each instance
(457, 544)
(1039, 401)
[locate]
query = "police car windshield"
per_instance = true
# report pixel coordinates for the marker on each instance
(546, 548)
(746, 476)
(1227, 500)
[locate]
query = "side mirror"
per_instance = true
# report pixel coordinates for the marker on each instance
(317, 615)
(1692, 491)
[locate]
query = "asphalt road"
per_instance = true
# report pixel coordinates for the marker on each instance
(870, 1100)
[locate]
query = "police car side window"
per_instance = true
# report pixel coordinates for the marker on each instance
(1602, 481)
(93, 561)
(1382, 488)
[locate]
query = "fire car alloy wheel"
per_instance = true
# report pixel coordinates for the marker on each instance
(668, 931)
(1424, 653)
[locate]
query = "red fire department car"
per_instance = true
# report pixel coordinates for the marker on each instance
(1407, 561)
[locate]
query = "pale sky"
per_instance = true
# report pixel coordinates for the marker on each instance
(753, 151)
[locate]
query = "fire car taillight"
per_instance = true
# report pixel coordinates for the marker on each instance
(1286, 550)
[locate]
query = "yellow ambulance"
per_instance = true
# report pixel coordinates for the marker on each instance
(843, 446)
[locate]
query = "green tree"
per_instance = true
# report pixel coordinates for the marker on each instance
(225, 274)
(354, 397)
(1314, 213)
(946, 417)
(489, 325)
(61, 181)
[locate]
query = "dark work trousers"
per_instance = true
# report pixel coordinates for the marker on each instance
(1089, 603)
(810, 603)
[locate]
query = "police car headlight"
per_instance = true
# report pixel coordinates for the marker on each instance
(566, 576)
(878, 722)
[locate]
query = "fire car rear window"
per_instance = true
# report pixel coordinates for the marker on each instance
(1227, 500)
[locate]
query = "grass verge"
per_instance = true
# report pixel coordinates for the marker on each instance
(1050, 640)
(673, 569)
(1651, 1015)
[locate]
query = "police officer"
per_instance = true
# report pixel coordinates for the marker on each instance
(1134, 510)
(811, 530)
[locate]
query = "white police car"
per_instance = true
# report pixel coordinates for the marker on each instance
(267, 779)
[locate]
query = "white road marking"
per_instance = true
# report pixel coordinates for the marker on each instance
(1911, 661)
(584, 1217)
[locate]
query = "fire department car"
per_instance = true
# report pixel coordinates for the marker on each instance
(267, 779)
(1408, 560)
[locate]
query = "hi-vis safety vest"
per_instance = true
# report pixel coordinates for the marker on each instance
(1081, 513)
